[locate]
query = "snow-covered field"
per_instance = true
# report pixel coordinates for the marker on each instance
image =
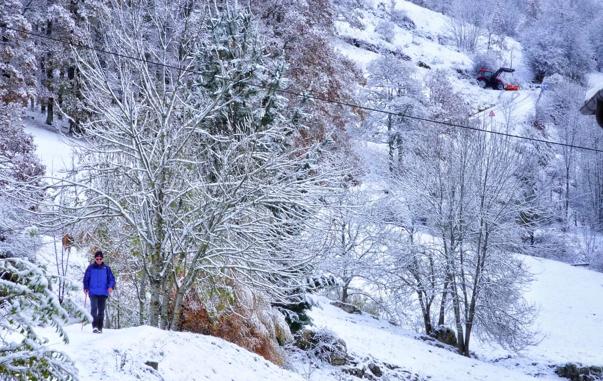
(570, 314)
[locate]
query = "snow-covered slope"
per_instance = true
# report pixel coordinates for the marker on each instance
(366, 336)
(570, 316)
(52, 148)
(429, 45)
(569, 323)
(121, 355)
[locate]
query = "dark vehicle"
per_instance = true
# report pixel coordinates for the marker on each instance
(488, 78)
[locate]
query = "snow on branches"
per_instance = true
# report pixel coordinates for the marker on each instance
(190, 164)
(26, 302)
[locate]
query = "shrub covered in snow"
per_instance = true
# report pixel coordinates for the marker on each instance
(386, 30)
(26, 302)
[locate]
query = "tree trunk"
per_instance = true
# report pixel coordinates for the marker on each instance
(155, 304)
(50, 111)
(442, 317)
(345, 292)
(165, 305)
(425, 311)
(176, 315)
(390, 143)
(142, 298)
(457, 316)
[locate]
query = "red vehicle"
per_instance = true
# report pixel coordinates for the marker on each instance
(488, 78)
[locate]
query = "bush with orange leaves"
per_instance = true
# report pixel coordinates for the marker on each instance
(246, 319)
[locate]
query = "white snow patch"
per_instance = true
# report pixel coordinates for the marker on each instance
(570, 316)
(595, 83)
(52, 147)
(121, 355)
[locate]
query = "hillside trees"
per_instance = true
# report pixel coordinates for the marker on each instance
(486, 278)
(554, 41)
(351, 243)
(187, 166)
(465, 197)
(26, 298)
(466, 23)
(301, 32)
(559, 107)
(17, 62)
(391, 86)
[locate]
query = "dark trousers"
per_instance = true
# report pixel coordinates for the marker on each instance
(97, 310)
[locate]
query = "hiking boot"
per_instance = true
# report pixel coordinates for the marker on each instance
(96, 330)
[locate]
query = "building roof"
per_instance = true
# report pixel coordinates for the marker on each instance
(590, 105)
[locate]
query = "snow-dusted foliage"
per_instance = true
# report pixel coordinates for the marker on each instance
(302, 31)
(17, 150)
(191, 168)
(25, 303)
(555, 41)
(456, 232)
(17, 61)
(26, 300)
(350, 243)
(559, 106)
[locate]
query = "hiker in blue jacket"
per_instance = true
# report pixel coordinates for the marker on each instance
(99, 283)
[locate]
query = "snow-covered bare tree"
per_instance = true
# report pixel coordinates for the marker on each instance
(190, 164)
(444, 103)
(467, 191)
(351, 243)
(466, 23)
(412, 269)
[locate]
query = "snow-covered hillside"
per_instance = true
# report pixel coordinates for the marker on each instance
(568, 299)
(571, 314)
(429, 45)
(52, 149)
(569, 321)
(122, 354)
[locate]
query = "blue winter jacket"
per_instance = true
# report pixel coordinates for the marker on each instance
(98, 279)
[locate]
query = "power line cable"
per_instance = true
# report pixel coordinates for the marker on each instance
(307, 95)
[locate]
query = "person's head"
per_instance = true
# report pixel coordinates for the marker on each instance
(98, 257)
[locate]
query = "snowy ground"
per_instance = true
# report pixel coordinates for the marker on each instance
(569, 321)
(52, 148)
(120, 355)
(570, 315)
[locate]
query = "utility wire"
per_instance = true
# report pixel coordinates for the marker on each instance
(306, 95)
